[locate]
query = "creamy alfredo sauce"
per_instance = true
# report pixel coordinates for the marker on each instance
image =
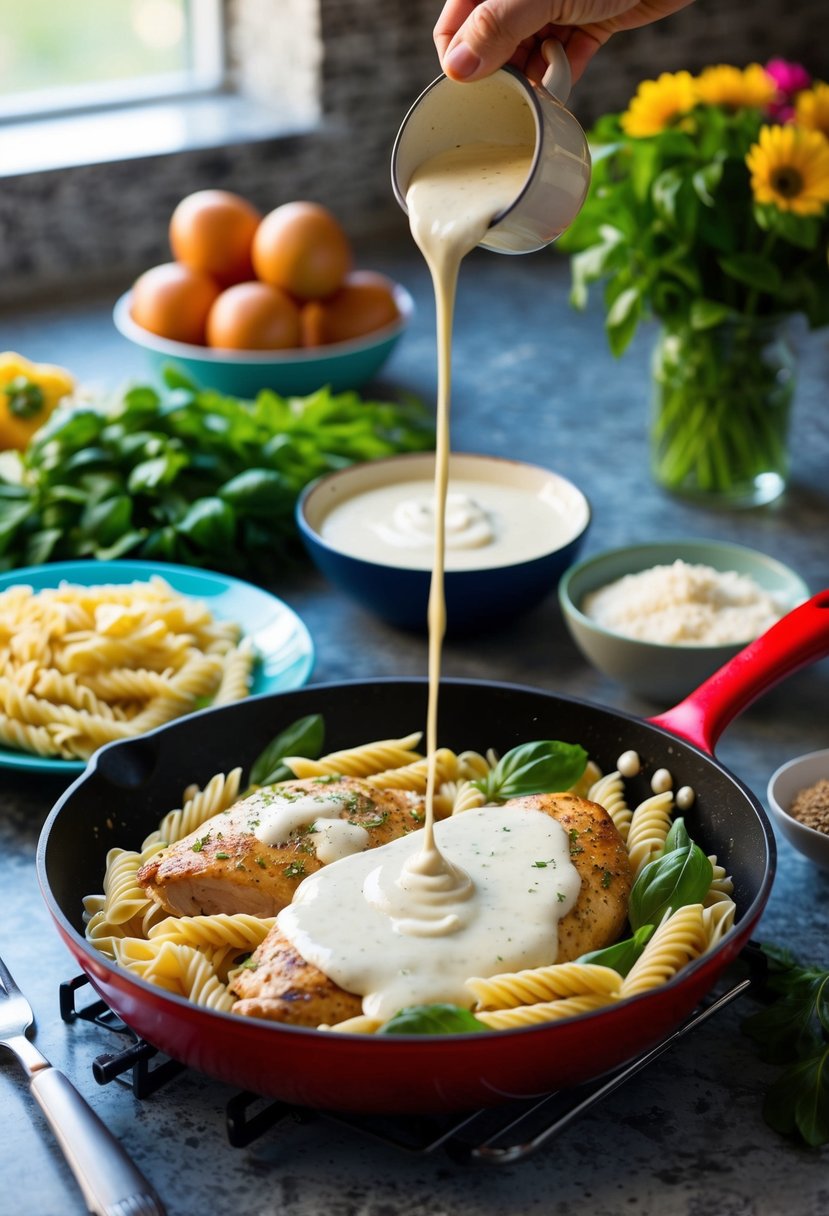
(408, 923)
(486, 525)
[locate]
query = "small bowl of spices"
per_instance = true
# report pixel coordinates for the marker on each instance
(798, 798)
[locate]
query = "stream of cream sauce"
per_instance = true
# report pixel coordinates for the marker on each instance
(415, 918)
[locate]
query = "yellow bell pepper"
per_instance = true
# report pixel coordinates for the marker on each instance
(28, 394)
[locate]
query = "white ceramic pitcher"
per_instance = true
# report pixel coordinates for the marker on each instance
(506, 108)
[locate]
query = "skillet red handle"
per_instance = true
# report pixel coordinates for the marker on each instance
(799, 638)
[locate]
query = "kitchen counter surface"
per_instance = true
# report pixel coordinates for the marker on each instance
(533, 381)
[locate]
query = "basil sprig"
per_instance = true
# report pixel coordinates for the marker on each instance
(432, 1019)
(671, 881)
(793, 1031)
(302, 738)
(544, 767)
(621, 956)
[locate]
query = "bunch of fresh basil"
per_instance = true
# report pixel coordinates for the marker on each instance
(187, 475)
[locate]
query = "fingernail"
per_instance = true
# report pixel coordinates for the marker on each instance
(461, 61)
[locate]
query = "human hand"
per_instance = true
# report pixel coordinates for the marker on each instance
(475, 37)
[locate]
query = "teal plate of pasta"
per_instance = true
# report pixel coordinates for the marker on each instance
(95, 651)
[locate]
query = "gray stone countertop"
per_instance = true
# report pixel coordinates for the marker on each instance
(534, 381)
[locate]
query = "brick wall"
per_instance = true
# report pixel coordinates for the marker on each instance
(76, 227)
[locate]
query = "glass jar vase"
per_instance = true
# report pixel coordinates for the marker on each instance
(721, 404)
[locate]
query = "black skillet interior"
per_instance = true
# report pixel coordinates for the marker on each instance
(121, 798)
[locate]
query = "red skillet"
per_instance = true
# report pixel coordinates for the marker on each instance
(130, 785)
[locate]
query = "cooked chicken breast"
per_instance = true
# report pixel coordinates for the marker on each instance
(280, 985)
(225, 866)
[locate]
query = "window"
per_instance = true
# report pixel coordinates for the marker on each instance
(80, 54)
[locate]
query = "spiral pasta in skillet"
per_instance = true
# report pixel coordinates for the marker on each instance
(198, 956)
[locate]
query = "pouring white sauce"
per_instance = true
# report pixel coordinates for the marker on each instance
(408, 923)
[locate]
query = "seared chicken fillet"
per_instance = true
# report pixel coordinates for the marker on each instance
(281, 986)
(225, 867)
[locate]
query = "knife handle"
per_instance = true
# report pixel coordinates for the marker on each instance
(111, 1184)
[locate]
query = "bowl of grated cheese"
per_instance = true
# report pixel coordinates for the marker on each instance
(662, 617)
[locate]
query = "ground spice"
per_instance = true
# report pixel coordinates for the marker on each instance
(811, 806)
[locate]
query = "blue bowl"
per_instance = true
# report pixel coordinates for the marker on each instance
(291, 373)
(476, 598)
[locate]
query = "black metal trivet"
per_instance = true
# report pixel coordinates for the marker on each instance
(501, 1135)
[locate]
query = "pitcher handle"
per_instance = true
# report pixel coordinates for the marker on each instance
(558, 79)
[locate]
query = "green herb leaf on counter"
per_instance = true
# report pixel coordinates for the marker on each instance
(672, 881)
(621, 955)
(188, 475)
(544, 767)
(793, 1031)
(432, 1019)
(302, 738)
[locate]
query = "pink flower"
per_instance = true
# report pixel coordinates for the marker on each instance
(790, 78)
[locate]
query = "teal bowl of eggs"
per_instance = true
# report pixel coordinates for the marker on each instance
(511, 530)
(294, 372)
(660, 618)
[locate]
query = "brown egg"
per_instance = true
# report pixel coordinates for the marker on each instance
(364, 303)
(212, 230)
(173, 301)
(301, 248)
(254, 316)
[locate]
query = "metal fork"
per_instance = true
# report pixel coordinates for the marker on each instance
(111, 1184)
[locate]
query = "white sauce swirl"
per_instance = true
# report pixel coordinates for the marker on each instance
(348, 920)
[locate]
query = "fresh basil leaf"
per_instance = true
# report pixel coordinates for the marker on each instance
(104, 522)
(210, 523)
(544, 767)
(302, 738)
(672, 881)
(798, 1101)
(621, 956)
(677, 837)
(12, 515)
(41, 545)
(432, 1019)
(259, 492)
(792, 1025)
(158, 471)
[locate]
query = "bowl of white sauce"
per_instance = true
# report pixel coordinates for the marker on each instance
(512, 529)
(662, 617)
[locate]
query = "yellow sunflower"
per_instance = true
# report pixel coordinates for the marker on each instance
(812, 108)
(658, 103)
(789, 167)
(736, 88)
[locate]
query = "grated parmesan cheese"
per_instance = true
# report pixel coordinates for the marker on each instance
(684, 605)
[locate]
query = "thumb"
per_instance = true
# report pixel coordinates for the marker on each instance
(490, 36)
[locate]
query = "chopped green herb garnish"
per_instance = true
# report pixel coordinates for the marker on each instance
(294, 870)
